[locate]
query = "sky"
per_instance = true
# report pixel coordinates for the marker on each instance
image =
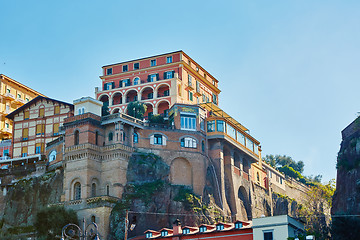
(288, 70)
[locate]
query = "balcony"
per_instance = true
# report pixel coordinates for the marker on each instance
(122, 117)
(9, 96)
(20, 101)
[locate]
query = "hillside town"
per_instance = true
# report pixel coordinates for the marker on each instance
(161, 111)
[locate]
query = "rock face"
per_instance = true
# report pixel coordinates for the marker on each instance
(347, 196)
(25, 198)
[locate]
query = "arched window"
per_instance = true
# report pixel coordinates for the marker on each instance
(107, 190)
(136, 81)
(124, 136)
(257, 177)
(76, 137)
(136, 137)
(202, 146)
(111, 136)
(93, 190)
(93, 219)
(188, 142)
(77, 191)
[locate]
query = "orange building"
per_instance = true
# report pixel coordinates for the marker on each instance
(158, 81)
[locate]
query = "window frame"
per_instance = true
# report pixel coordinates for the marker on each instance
(125, 68)
(109, 71)
(158, 139)
(188, 142)
(188, 122)
(136, 66)
(152, 62)
(169, 59)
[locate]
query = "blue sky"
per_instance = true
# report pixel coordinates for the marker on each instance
(288, 70)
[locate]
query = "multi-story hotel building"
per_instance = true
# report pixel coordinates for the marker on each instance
(158, 81)
(13, 95)
(37, 123)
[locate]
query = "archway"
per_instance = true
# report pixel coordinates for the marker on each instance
(163, 108)
(147, 93)
(163, 91)
(117, 99)
(181, 172)
(131, 96)
(244, 203)
(149, 110)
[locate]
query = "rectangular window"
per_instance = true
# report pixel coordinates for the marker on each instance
(19, 95)
(109, 71)
(127, 82)
(27, 99)
(188, 122)
(214, 98)
(39, 129)
(268, 236)
(220, 126)
(158, 139)
(169, 75)
(26, 115)
(38, 148)
(256, 149)
(152, 78)
(56, 129)
(197, 86)
(153, 62)
(190, 96)
(41, 112)
(231, 131)
(211, 126)
(25, 134)
(202, 124)
(189, 80)
(125, 68)
(24, 151)
(241, 138)
(249, 144)
(57, 109)
(169, 59)
(6, 152)
(136, 66)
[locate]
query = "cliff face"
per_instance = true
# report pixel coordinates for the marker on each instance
(25, 198)
(347, 196)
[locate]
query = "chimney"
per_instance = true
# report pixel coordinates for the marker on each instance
(177, 227)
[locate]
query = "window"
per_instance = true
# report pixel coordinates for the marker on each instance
(40, 129)
(107, 190)
(136, 66)
(41, 112)
(169, 59)
(148, 235)
(136, 137)
(241, 138)
(231, 131)
(27, 99)
(219, 227)
(150, 95)
(77, 191)
(214, 98)
(6, 152)
(202, 124)
(56, 129)
(185, 231)
(24, 151)
(93, 219)
(7, 125)
(169, 74)
(256, 149)
(257, 177)
(268, 235)
(57, 109)
(152, 77)
(238, 225)
(109, 71)
(125, 68)
(108, 86)
(19, 95)
(220, 126)
(164, 233)
(93, 190)
(197, 86)
(202, 146)
(136, 81)
(211, 126)
(249, 144)
(189, 80)
(38, 148)
(188, 122)
(153, 62)
(97, 138)
(26, 115)
(111, 136)
(190, 96)
(76, 137)
(127, 82)
(188, 142)
(202, 229)
(281, 180)
(158, 139)
(25, 134)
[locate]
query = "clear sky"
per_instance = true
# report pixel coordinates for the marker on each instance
(288, 70)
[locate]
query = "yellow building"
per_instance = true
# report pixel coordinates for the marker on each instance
(13, 95)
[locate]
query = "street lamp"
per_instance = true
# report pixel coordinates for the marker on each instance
(72, 230)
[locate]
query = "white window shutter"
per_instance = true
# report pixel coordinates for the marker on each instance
(164, 140)
(152, 139)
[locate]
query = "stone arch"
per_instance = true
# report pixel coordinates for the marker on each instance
(94, 187)
(115, 110)
(116, 98)
(244, 203)
(163, 107)
(149, 109)
(147, 93)
(76, 185)
(181, 172)
(131, 95)
(161, 89)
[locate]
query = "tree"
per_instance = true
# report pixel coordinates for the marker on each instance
(316, 209)
(156, 118)
(50, 221)
(136, 109)
(278, 161)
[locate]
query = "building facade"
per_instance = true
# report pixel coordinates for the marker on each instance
(13, 95)
(157, 81)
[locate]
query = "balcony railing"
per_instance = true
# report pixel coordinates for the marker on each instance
(9, 96)
(116, 146)
(115, 116)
